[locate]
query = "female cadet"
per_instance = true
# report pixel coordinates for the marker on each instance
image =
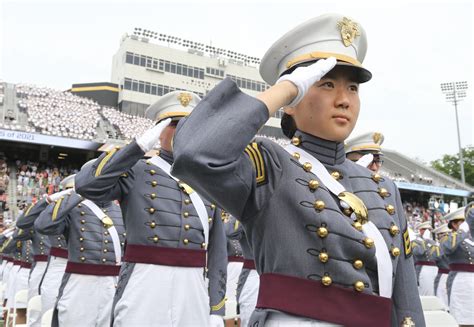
(329, 237)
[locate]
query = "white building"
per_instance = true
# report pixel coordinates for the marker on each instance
(148, 65)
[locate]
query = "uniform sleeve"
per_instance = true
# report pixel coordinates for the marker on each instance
(110, 177)
(469, 214)
(234, 229)
(406, 299)
(9, 246)
(54, 220)
(452, 242)
(23, 234)
(28, 219)
(217, 265)
(418, 248)
(210, 151)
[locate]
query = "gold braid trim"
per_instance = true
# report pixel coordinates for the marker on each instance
(219, 305)
(104, 161)
(56, 208)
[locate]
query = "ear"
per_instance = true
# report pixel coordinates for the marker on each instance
(289, 110)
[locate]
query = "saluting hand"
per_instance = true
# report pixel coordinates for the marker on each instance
(148, 140)
(304, 77)
(56, 196)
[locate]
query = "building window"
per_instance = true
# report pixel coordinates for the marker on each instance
(149, 88)
(129, 58)
(249, 84)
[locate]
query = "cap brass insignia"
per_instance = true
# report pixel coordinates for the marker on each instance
(349, 31)
(377, 137)
(184, 98)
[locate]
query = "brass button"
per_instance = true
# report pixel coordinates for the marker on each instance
(358, 264)
(187, 201)
(210, 220)
(83, 229)
(186, 227)
(359, 286)
(376, 178)
(203, 245)
(383, 192)
(41, 243)
(81, 249)
(106, 241)
(152, 172)
(60, 246)
(313, 184)
(319, 205)
(336, 175)
(106, 233)
(83, 221)
(104, 260)
(296, 155)
(124, 234)
(59, 238)
(307, 166)
(82, 213)
(390, 209)
(213, 206)
(154, 183)
(185, 241)
(148, 162)
(105, 250)
(81, 239)
(323, 257)
(326, 280)
(185, 214)
(152, 224)
(79, 205)
(104, 210)
(347, 211)
(83, 258)
(296, 141)
(122, 243)
(395, 251)
(322, 232)
(394, 230)
(151, 210)
(155, 239)
(153, 195)
(368, 242)
(357, 225)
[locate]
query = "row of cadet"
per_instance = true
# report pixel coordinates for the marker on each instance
(328, 237)
(444, 261)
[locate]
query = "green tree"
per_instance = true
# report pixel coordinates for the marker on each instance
(449, 164)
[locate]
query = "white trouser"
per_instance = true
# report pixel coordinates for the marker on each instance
(426, 280)
(2, 269)
(6, 274)
(21, 283)
(33, 284)
(280, 319)
(233, 273)
(11, 285)
(442, 290)
(158, 295)
(52, 279)
(461, 303)
(248, 297)
(86, 301)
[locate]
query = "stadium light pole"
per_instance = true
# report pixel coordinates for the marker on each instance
(455, 92)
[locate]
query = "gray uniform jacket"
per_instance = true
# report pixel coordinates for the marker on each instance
(156, 211)
(89, 242)
(41, 243)
(269, 192)
(233, 232)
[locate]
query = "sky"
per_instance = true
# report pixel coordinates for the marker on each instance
(413, 46)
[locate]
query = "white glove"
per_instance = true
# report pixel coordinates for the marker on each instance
(305, 77)
(216, 321)
(56, 196)
(365, 160)
(464, 226)
(147, 140)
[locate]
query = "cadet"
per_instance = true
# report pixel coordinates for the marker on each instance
(55, 247)
(366, 150)
(327, 235)
(459, 247)
(440, 287)
(424, 252)
(95, 235)
(169, 228)
(235, 258)
(247, 290)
